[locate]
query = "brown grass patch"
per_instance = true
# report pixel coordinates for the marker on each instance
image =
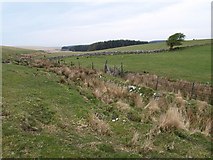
(123, 106)
(116, 91)
(135, 139)
(201, 105)
(99, 125)
(152, 106)
(138, 100)
(97, 93)
(179, 100)
(172, 119)
(208, 129)
(62, 80)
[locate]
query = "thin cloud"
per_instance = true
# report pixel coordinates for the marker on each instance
(83, 22)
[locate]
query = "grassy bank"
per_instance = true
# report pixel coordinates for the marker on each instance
(45, 115)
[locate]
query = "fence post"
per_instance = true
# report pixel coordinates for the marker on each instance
(192, 91)
(156, 86)
(122, 70)
(105, 67)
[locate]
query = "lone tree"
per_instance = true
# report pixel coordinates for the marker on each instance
(175, 40)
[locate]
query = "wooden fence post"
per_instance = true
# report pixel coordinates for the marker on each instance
(105, 67)
(156, 86)
(192, 91)
(122, 70)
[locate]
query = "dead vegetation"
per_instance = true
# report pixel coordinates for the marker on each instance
(172, 119)
(99, 125)
(188, 89)
(172, 113)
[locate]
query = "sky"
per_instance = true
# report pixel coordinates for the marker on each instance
(73, 22)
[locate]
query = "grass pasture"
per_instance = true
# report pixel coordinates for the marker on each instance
(45, 118)
(57, 111)
(192, 64)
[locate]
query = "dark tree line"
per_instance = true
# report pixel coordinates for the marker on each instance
(102, 45)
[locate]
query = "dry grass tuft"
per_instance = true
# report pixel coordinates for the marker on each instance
(172, 119)
(138, 100)
(147, 146)
(98, 93)
(116, 91)
(41, 63)
(123, 106)
(62, 80)
(179, 99)
(57, 70)
(66, 71)
(99, 125)
(208, 130)
(152, 106)
(201, 105)
(135, 139)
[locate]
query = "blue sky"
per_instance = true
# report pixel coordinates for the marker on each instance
(85, 21)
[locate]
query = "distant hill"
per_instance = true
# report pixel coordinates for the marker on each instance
(103, 45)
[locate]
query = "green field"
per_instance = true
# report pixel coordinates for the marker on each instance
(193, 64)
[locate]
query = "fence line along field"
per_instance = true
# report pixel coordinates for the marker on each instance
(192, 64)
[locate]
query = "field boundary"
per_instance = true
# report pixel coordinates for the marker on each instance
(156, 51)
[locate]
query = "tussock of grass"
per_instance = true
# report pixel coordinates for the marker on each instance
(122, 106)
(135, 139)
(171, 119)
(201, 105)
(63, 79)
(152, 106)
(179, 99)
(208, 129)
(137, 100)
(99, 125)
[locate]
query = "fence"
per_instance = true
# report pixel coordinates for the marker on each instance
(192, 90)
